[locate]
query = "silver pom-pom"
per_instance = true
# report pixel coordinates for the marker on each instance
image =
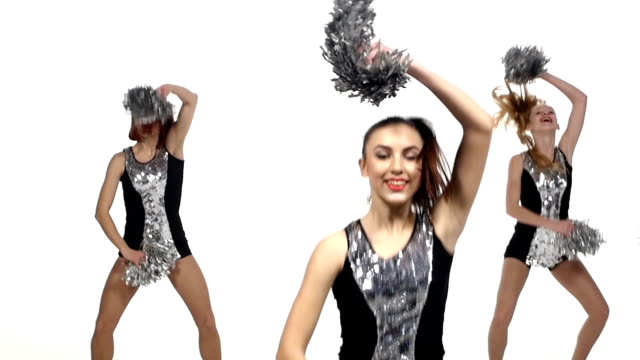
(583, 240)
(348, 42)
(550, 248)
(523, 64)
(146, 106)
(160, 260)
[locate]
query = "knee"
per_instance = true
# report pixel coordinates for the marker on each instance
(502, 319)
(600, 313)
(207, 323)
(105, 326)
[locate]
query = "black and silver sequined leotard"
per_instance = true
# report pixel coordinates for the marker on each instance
(546, 193)
(152, 192)
(393, 309)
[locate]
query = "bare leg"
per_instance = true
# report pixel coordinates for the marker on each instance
(188, 280)
(576, 279)
(115, 298)
(514, 276)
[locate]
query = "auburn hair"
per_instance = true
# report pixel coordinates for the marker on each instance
(137, 131)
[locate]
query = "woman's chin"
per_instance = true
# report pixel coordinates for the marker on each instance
(396, 200)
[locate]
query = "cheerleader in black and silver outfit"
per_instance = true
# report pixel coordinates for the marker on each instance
(154, 244)
(389, 271)
(538, 193)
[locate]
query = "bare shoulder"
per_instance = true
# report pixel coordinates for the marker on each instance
(118, 158)
(117, 163)
(332, 250)
(517, 160)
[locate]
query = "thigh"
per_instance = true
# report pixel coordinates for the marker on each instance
(574, 277)
(116, 294)
(189, 282)
(514, 276)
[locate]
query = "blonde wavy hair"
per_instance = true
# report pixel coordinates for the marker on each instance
(515, 109)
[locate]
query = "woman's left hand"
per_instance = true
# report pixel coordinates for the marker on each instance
(164, 91)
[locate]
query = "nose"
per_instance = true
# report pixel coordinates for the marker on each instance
(396, 165)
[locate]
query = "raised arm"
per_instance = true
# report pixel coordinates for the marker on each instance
(178, 133)
(578, 100)
(519, 212)
(451, 211)
(325, 264)
(105, 201)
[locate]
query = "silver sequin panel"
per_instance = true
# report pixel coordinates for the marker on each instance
(551, 185)
(150, 180)
(395, 288)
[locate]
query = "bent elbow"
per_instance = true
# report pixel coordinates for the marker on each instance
(484, 127)
(100, 214)
(581, 99)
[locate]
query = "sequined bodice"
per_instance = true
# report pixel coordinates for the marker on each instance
(150, 181)
(395, 288)
(550, 184)
(147, 178)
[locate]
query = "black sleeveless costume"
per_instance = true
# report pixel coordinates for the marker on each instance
(546, 193)
(393, 308)
(152, 193)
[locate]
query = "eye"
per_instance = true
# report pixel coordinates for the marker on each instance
(381, 156)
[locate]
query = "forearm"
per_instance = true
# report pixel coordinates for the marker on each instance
(528, 217)
(470, 115)
(184, 94)
(109, 228)
(570, 91)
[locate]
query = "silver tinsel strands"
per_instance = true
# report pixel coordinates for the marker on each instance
(523, 64)
(146, 106)
(583, 240)
(160, 261)
(348, 42)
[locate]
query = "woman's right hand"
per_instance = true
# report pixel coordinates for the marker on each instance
(133, 256)
(565, 227)
(376, 49)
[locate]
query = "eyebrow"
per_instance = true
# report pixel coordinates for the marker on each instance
(388, 148)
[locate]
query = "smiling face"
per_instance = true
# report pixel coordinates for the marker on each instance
(393, 163)
(542, 119)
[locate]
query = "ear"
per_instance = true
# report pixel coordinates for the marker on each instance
(363, 169)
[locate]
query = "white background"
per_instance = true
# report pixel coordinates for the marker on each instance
(272, 165)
